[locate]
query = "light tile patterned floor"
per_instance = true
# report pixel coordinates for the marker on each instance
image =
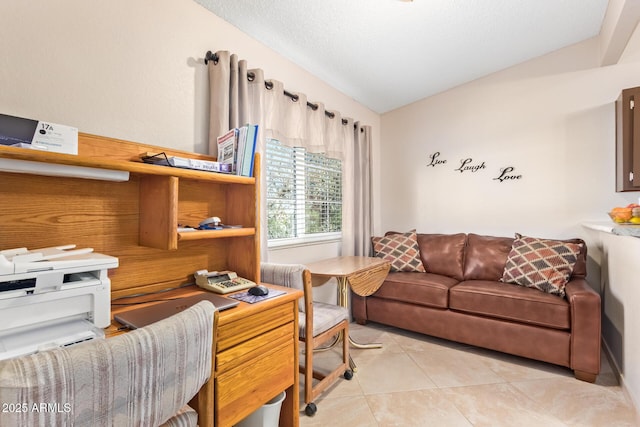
(415, 380)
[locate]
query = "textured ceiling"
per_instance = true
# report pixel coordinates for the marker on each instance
(388, 53)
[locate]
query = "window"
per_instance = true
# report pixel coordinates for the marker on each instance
(304, 195)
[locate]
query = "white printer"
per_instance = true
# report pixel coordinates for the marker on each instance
(52, 297)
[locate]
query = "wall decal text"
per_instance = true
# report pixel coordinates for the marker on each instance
(465, 165)
(506, 174)
(434, 159)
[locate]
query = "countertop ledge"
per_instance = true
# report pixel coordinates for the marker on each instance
(608, 227)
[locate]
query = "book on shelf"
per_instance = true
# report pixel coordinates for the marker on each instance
(227, 147)
(185, 163)
(249, 150)
(237, 147)
(242, 140)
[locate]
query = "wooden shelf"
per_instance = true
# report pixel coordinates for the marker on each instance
(135, 220)
(159, 185)
(216, 234)
(133, 167)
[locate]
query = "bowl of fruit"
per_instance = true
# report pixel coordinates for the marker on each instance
(629, 214)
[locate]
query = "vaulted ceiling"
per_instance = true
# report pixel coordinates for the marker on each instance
(389, 53)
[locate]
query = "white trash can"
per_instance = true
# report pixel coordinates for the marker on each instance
(268, 415)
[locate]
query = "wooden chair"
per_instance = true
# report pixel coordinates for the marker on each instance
(142, 378)
(320, 323)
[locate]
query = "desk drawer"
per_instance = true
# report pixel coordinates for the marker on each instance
(242, 390)
(244, 329)
(254, 348)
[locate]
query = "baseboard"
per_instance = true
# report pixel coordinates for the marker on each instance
(620, 377)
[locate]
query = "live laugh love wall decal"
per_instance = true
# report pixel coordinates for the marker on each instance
(468, 165)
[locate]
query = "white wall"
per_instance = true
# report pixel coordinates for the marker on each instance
(551, 118)
(134, 70)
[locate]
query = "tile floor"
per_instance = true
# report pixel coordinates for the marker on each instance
(415, 380)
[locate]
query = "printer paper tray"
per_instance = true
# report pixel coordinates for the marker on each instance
(27, 340)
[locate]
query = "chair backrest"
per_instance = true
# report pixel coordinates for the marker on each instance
(289, 275)
(141, 378)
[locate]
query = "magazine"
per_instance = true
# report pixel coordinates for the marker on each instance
(237, 148)
(227, 146)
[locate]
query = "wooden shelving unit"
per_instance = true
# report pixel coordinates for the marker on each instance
(136, 220)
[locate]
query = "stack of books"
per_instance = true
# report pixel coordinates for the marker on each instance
(236, 151)
(237, 148)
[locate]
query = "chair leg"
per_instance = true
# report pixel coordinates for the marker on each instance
(325, 380)
(308, 371)
(310, 408)
(346, 359)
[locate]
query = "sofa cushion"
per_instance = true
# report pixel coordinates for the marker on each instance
(515, 303)
(401, 249)
(486, 256)
(542, 264)
(443, 253)
(417, 288)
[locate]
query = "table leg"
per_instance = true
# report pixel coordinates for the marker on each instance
(343, 300)
(343, 291)
(364, 346)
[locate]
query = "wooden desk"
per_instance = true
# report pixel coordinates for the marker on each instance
(256, 357)
(364, 275)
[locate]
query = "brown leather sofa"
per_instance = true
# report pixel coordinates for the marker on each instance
(460, 298)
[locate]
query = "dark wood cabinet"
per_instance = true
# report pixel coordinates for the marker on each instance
(628, 140)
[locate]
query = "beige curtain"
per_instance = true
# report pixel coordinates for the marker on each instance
(362, 199)
(239, 96)
(348, 189)
(229, 104)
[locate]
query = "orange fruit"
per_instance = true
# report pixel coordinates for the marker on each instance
(621, 214)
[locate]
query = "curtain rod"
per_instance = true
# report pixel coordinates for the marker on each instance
(210, 56)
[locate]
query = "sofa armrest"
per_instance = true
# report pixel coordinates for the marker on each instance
(585, 327)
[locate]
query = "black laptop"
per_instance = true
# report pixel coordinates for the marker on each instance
(143, 316)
